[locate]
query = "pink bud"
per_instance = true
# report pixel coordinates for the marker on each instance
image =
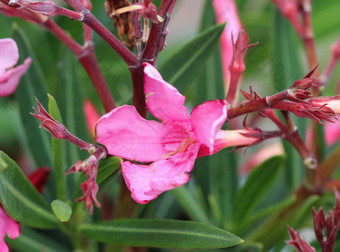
(57, 130)
(298, 243)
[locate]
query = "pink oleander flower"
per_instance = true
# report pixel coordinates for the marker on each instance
(162, 154)
(8, 227)
(170, 146)
(10, 75)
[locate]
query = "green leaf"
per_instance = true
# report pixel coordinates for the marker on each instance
(59, 155)
(181, 68)
(32, 86)
(263, 214)
(70, 98)
(190, 205)
(21, 200)
(107, 167)
(274, 231)
(287, 68)
(61, 210)
(160, 233)
(32, 241)
(257, 184)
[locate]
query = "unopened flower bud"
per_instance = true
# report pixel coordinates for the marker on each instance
(57, 129)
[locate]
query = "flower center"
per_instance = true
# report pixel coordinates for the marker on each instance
(177, 139)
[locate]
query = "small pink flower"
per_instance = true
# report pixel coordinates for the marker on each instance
(168, 149)
(8, 227)
(259, 156)
(10, 75)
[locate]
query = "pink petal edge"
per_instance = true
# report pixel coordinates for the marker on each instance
(146, 182)
(207, 119)
(10, 79)
(126, 134)
(8, 227)
(162, 99)
(9, 54)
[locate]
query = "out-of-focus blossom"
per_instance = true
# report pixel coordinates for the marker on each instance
(10, 75)
(92, 116)
(298, 243)
(260, 156)
(233, 41)
(332, 132)
(8, 227)
(171, 146)
(39, 178)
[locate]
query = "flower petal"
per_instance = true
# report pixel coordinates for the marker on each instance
(146, 182)
(162, 99)
(10, 79)
(126, 134)
(207, 119)
(8, 227)
(9, 54)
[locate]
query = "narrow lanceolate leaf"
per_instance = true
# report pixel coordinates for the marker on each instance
(160, 233)
(182, 67)
(257, 184)
(32, 241)
(287, 68)
(107, 167)
(190, 205)
(59, 155)
(61, 210)
(20, 199)
(32, 86)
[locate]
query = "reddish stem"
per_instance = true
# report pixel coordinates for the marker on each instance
(293, 137)
(87, 58)
(138, 100)
(90, 20)
(89, 61)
